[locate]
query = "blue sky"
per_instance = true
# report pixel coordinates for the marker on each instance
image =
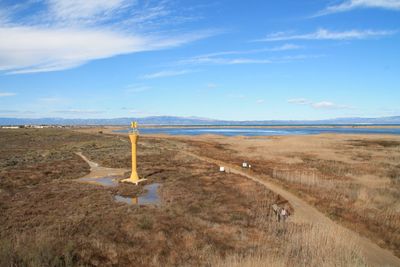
(241, 60)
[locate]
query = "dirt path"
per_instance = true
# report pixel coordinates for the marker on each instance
(304, 212)
(96, 171)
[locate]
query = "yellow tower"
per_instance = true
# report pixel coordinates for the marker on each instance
(134, 136)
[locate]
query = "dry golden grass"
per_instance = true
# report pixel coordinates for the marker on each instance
(291, 244)
(37, 250)
(306, 178)
(354, 179)
(299, 245)
(207, 218)
(312, 246)
(59, 222)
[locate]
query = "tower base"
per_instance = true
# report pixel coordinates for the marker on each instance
(132, 181)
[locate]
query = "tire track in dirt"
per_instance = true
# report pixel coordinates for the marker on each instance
(305, 213)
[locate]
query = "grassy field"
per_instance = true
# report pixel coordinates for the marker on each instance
(355, 180)
(206, 218)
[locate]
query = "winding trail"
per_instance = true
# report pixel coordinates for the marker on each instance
(305, 213)
(97, 171)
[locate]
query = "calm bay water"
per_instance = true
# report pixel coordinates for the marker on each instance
(265, 131)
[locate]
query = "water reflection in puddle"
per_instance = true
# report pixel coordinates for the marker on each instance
(151, 196)
(105, 181)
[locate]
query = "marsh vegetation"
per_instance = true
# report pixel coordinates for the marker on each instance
(206, 218)
(355, 180)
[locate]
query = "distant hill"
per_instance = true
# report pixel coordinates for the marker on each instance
(172, 120)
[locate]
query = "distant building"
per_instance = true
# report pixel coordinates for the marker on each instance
(30, 126)
(10, 127)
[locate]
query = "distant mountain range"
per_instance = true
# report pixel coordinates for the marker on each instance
(171, 120)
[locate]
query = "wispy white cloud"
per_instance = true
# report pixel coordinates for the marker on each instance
(212, 85)
(285, 47)
(4, 94)
(224, 57)
(49, 49)
(137, 88)
(260, 101)
(324, 34)
(50, 100)
(139, 113)
(242, 61)
(292, 58)
(354, 4)
(318, 105)
(79, 111)
(224, 61)
(329, 105)
(68, 33)
(16, 113)
(58, 49)
(299, 101)
(152, 15)
(77, 9)
(236, 95)
(166, 73)
(237, 61)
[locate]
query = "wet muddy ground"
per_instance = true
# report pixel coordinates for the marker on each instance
(151, 196)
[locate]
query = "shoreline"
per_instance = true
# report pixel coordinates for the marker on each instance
(111, 130)
(120, 127)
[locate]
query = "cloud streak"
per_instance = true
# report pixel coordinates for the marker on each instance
(70, 33)
(355, 4)
(299, 101)
(243, 61)
(229, 57)
(234, 57)
(223, 61)
(324, 34)
(51, 100)
(79, 111)
(166, 73)
(284, 47)
(137, 88)
(59, 49)
(5, 94)
(318, 105)
(329, 105)
(78, 10)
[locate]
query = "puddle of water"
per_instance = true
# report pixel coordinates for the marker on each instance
(151, 197)
(105, 181)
